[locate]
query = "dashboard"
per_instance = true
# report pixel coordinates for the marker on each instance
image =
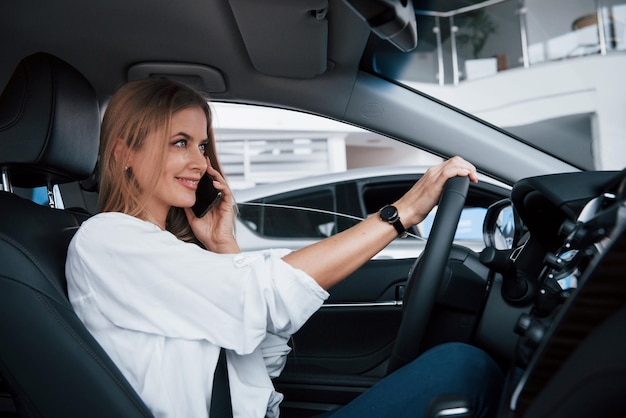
(562, 276)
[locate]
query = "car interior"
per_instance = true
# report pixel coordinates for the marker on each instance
(549, 308)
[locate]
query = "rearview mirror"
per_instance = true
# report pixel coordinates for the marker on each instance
(393, 20)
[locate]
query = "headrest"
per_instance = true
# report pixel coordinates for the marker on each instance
(49, 123)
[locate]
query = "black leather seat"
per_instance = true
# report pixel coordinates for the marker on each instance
(49, 127)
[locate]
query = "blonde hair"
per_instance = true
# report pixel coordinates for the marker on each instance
(136, 110)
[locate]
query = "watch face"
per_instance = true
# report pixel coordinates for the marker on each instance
(389, 213)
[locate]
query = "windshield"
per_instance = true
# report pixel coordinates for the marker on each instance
(546, 71)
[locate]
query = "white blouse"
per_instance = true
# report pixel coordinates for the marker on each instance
(162, 308)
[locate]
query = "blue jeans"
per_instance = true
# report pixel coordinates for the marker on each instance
(449, 368)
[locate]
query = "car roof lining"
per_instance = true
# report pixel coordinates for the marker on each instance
(204, 35)
(121, 34)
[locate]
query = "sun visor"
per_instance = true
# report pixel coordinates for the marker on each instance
(284, 38)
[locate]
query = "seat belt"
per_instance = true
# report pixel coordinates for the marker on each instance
(221, 405)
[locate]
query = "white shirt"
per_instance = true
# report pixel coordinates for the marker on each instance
(162, 308)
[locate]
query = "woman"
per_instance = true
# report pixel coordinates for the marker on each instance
(163, 291)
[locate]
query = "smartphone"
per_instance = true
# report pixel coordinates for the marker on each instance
(206, 196)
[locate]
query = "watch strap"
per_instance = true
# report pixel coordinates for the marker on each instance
(399, 227)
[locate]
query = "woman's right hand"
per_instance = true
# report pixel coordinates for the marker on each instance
(216, 229)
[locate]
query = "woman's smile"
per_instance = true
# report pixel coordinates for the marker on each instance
(190, 183)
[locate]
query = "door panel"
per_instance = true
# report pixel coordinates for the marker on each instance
(343, 349)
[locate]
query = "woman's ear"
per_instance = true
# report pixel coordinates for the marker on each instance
(120, 151)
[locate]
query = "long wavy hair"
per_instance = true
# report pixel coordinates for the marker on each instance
(136, 110)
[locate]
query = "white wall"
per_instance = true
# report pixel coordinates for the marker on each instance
(549, 18)
(584, 85)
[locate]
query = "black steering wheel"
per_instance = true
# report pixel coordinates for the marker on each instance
(427, 272)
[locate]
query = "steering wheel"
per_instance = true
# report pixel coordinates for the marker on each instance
(427, 273)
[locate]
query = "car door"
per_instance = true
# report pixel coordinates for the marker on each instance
(343, 349)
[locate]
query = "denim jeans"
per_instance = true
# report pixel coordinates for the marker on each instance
(446, 369)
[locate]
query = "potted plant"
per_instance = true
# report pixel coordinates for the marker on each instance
(474, 30)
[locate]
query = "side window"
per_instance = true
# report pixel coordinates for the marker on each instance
(40, 195)
(260, 145)
(306, 214)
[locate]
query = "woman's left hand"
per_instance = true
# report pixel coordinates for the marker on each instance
(417, 203)
(216, 229)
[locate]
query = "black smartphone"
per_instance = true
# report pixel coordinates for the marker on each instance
(206, 196)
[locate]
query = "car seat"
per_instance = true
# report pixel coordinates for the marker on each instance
(50, 364)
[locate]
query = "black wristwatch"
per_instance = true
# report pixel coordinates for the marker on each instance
(390, 215)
